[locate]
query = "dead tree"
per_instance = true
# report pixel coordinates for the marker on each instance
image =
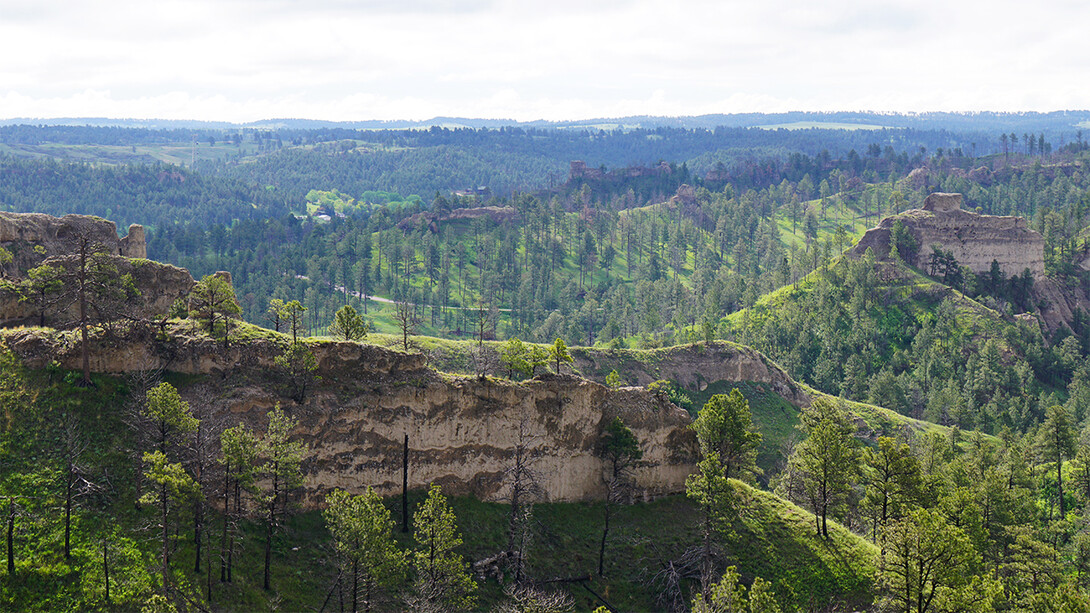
(525, 490)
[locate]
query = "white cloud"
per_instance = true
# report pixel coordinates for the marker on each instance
(386, 59)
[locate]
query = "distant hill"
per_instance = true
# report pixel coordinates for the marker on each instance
(1053, 122)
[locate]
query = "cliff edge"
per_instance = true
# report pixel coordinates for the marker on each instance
(975, 240)
(462, 432)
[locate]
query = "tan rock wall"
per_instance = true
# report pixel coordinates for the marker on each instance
(33, 237)
(159, 286)
(463, 433)
(975, 240)
(462, 430)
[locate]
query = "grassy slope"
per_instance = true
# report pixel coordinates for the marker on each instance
(838, 213)
(907, 292)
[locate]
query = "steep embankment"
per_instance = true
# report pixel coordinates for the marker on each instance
(696, 372)
(462, 431)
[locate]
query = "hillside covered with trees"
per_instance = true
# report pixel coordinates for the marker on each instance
(925, 446)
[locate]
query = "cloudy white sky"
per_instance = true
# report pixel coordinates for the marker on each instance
(243, 60)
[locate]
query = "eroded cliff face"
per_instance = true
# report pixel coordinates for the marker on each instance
(33, 237)
(975, 240)
(159, 285)
(463, 431)
(1057, 300)
(463, 434)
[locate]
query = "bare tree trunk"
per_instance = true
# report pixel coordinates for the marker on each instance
(208, 568)
(68, 509)
(405, 486)
(605, 532)
(1060, 483)
(355, 584)
(106, 565)
(11, 536)
(198, 525)
(269, 526)
(226, 518)
(165, 563)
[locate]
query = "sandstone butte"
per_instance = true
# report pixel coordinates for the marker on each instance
(976, 241)
(462, 430)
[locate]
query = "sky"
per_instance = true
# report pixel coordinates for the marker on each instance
(353, 60)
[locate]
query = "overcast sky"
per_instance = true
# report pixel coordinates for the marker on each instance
(244, 60)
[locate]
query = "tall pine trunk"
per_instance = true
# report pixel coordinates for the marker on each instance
(269, 525)
(226, 519)
(165, 535)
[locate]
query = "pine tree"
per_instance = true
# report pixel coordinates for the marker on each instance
(281, 472)
(442, 579)
(619, 448)
(213, 299)
(1056, 441)
(558, 352)
(363, 534)
(827, 460)
(348, 325)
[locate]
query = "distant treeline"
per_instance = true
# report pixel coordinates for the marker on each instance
(151, 195)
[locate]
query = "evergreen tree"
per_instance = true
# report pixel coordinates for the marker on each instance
(725, 426)
(827, 460)
(363, 534)
(280, 473)
(349, 325)
(174, 486)
(619, 447)
(1056, 442)
(239, 455)
(299, 367)
(928, 566)
(442, 579)
(213, 299)
(558, 352)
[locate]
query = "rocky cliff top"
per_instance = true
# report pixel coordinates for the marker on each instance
(975, 240)
(463, 431)
(32, 237)
(693, 366)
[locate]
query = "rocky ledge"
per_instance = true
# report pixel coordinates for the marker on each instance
(975, 240)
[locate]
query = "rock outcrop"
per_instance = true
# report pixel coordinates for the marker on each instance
(1057, 299)
(159, 285)
(975, 240)
(462, 431)
(34, 239)
(691, 366)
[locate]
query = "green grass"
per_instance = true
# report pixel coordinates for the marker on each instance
(778, 541)
(773, 416)
(773, 539)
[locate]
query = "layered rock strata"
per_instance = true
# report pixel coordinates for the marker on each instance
(975, 240)
(463, 431)
(34, 239)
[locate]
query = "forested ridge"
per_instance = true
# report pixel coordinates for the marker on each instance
(119, 495)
